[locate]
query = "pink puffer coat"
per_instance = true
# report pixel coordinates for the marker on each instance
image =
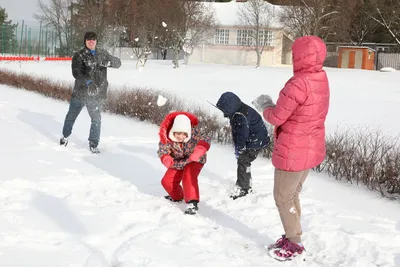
(301, 109)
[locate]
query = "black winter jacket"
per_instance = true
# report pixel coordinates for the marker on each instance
(248, 128)
(86, 66)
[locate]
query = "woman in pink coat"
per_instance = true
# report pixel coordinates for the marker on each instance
(299, 119)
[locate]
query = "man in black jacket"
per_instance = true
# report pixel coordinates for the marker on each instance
(89, 68)
(249, 135)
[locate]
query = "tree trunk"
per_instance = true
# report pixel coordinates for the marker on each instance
(141, 61)
(186, 58)
(259, 53)
(188, 52)
(175, 60)
(62, 52)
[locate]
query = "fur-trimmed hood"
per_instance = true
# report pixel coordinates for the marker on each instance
(166, 125)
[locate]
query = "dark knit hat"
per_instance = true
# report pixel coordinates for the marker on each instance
(89, 36)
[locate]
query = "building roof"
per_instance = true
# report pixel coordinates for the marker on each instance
(356, 47)
(309, 3)
(227, 13)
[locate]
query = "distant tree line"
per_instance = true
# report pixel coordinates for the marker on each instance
(143, 25)
(8, 39)
(180, 25)
(353, 21)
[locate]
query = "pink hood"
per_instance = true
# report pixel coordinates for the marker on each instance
(309, 53)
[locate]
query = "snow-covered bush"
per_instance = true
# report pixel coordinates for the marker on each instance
(358, 157)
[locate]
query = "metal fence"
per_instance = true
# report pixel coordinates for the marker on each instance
(20, 39)
(384, 59)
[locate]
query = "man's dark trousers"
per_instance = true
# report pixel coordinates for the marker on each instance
(94, 107)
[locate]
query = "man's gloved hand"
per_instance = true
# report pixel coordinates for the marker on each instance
(262, 102)
(92, 88)
(105, 63)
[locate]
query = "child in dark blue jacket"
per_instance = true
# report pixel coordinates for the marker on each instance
(249, 135)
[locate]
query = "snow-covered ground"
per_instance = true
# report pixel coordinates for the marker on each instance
(359, 98)
(63, 206)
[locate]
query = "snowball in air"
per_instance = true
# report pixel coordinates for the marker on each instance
(161, 101)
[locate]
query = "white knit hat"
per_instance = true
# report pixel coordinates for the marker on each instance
(181, 124)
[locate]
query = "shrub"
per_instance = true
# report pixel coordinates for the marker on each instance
(364, 157)
(360, 157)
(44, 86)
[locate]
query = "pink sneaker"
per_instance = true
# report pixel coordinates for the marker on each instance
(279, 243)
(287, 252)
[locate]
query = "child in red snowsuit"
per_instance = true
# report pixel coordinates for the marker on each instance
(182, 149)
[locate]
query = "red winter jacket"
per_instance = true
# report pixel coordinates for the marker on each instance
(301, 109)
(181, 152)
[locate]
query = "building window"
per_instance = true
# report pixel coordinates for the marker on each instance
(247, 37)
(222, 36)
(267, 38)
(244, 37)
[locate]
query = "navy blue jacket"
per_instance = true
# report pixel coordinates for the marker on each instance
(248, 127)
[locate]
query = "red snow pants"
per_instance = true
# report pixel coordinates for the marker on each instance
(188, 176)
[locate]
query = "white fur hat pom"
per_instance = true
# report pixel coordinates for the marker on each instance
(181, 124)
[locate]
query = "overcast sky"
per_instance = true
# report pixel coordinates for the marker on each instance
(19, 10)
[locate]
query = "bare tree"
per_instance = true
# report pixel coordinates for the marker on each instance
(187, 24)
(91, 15)
(201, 25)
(56, 14)
(313, 17)
(352, 24)
(142, 45)
(151, 28)
(255, 17)
(174, 40)
(355, 25)
(114, 17)
(363, 26)
(111, 37)
(141, 23)
(387, 14)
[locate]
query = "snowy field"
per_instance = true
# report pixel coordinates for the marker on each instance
(63, 206)
(359, 98)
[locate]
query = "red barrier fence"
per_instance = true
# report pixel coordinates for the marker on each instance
(23, 58)
(58, 58)
(16, 58)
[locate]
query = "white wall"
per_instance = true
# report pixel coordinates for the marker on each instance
(238, 55)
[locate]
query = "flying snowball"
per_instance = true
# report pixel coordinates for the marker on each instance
(161, 101)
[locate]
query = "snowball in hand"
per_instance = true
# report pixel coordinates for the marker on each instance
(161, 101)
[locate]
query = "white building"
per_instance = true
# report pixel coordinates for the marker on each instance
(228, 46)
